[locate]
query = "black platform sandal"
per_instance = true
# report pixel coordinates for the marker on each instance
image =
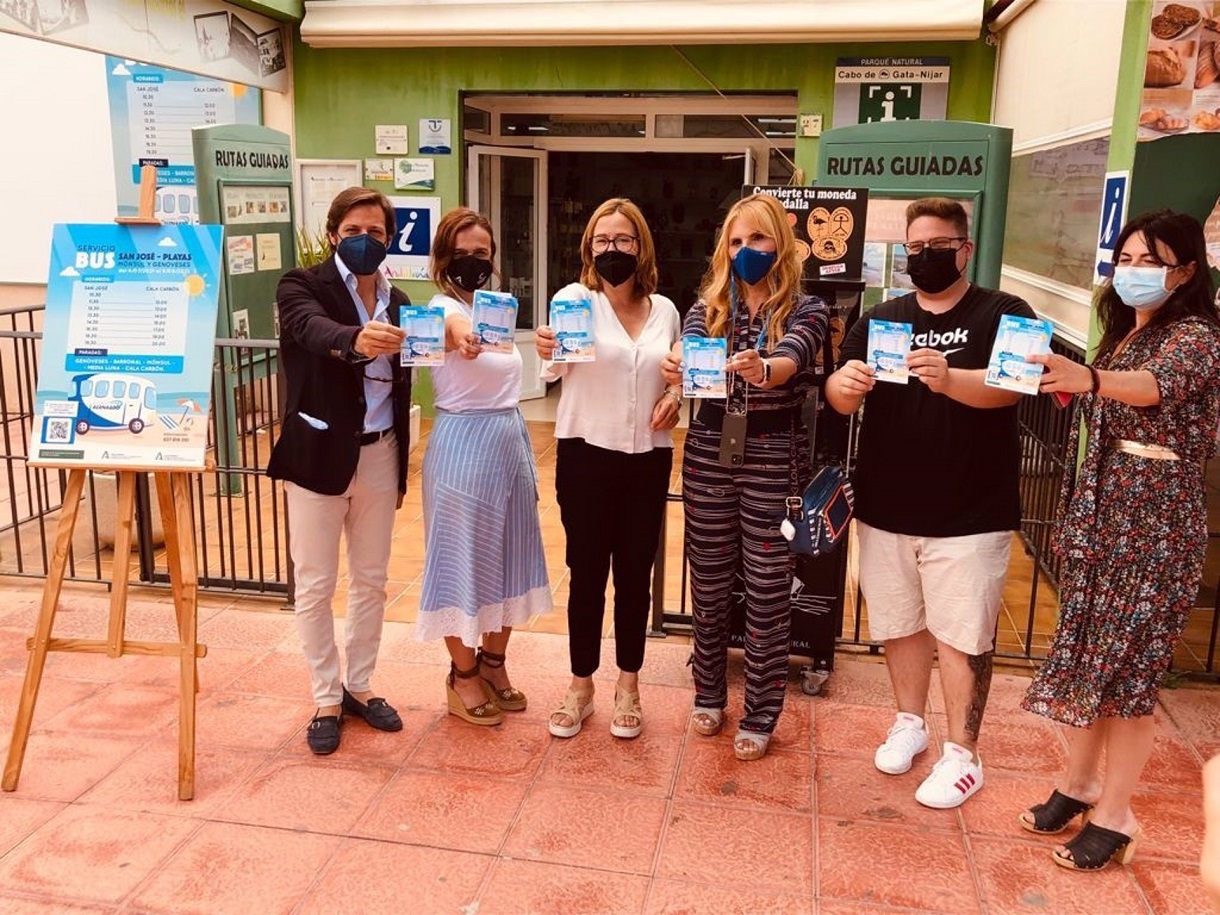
(1054, 815)
(510, 699)
(1094, 847)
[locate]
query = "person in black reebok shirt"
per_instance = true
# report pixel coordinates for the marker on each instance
(936, 496)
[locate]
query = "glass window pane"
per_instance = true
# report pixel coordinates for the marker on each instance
(1054, 197)
(476, 119)
(516, 242)
(102, 389)
(572, 125)
(777, 127)
(120, 389)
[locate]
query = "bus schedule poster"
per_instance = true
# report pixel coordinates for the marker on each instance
(126, 369)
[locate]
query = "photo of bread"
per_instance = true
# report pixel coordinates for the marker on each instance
(1207, 70)
(1163, 68)
(1163, 121)
(1207, 120)
(1174, 21)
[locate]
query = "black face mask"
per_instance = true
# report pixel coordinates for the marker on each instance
(615, 267)
(933, 271)
(469, 272)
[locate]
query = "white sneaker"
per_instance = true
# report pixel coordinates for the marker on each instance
(906, 740)
(953, 779)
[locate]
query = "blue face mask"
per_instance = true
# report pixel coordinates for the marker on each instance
(363, 254)
(1141, 288)
(751, 266)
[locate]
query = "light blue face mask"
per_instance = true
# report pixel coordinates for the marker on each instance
(751, 266)
(1141, 288)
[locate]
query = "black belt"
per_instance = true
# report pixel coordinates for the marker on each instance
(758, 422)
(369, 438)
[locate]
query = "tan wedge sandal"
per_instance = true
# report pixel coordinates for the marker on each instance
(510, 699)
(626, 708)
(576, 707)
(487, 713)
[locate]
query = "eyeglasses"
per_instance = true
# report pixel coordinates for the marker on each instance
(603, 243)
(944, 243)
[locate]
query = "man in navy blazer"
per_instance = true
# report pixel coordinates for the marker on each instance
(342, 452)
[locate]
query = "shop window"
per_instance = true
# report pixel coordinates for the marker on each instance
(1054, 198)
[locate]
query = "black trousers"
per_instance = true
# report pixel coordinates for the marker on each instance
(611, 505)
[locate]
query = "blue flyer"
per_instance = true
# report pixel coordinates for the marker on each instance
(125, 377)
(572, 321)
(494, 316)
(703, 361)
(889, 344)
(424, 343)
(1016, 338)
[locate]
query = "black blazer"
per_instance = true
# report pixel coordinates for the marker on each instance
(318, 327)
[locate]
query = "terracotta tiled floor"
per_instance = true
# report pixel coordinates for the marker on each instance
(448, 818)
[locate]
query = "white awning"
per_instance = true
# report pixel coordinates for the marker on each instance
(488, 23)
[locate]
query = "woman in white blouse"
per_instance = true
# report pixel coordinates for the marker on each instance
(615, 453)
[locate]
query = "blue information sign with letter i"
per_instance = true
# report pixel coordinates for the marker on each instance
(1113, 216)
(414, 235)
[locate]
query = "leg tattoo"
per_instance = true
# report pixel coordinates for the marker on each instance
(980, 666)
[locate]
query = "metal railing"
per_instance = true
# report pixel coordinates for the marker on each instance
(238, 512)
(1025, 631)
(240, 517)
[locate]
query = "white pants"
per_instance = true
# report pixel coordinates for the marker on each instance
(365, 514)
(951, 586)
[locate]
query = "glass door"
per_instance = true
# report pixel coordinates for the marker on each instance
(509, 187)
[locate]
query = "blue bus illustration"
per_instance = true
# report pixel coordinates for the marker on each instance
(107, 400)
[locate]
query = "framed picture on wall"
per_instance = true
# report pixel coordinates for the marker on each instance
(243, 44)
(212, 35)
(271, 52)
(317, 183)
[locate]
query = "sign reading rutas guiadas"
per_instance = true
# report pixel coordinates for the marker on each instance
(869, 89)
(829, 226)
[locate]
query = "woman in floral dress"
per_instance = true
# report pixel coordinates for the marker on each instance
(1133, 527)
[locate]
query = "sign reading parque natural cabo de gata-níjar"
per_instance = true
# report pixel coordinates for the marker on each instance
(876, 89)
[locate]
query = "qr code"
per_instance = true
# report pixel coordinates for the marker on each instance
(58, 431)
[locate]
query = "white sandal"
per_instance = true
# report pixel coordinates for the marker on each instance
(626, 705)
(577, 706)
(707, 721)
(750, 745)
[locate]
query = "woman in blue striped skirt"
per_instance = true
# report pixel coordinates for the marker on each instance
(484, 570)
(733, 506)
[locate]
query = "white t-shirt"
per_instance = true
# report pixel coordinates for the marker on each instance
(490, 382)
(609, 402)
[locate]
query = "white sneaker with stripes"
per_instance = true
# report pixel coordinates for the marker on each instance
(955, 777)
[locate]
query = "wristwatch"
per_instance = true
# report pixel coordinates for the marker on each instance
(766, 367)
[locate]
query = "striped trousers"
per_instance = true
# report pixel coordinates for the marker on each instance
(732, 522)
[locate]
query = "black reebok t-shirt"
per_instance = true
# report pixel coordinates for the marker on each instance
(929, 466)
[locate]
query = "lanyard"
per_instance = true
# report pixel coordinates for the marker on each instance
(758, 345)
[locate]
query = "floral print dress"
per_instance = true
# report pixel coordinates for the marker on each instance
(1132, 533)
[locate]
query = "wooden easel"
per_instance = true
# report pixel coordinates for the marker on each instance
(174, 498)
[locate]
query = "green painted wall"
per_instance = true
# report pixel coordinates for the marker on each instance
(287, 10)
(340, 94)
